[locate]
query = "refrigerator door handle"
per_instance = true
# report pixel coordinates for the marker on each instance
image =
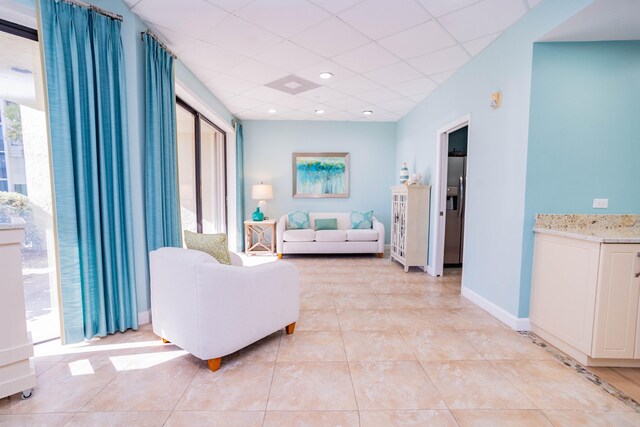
(461, 197)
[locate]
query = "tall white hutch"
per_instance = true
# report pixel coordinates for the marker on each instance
(410, 225)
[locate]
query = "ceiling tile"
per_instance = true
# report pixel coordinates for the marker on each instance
(322, 94)
(342, 115)
(483, 18)
(190, 17)
(210, 56)
(476, 46)
(395, 105)
(229, 83)
(288, 56)
(336, 6)
(378, 95)
(367, 107)
(381, 117)
(264, 109)
(442, 7)
(174, 40)
(298, 115)
(422, 39)
(240, 101)
(283, 17)
(422, 85)
(313, 73)
(355, 85)
(417, 98)
(240, 36)
(312, 110)
(347, 103)
(393, 74)
(229, 5)
(203, 74)
(381, 18)
(266, 94)
(330, 38)
(257, 72)
(221, 94)
(366, 58)
(442, 77)
(295, 102)
(442, 60)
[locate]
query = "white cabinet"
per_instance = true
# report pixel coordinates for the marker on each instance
(410, 225)
(585, 299)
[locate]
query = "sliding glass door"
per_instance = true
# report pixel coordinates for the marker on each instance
(201, 172)
(25, 174)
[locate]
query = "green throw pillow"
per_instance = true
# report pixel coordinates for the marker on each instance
(213, 244)
(361, 220)
(298, 220)
(326, 224)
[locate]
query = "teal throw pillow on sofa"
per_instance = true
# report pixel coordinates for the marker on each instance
(213, 244)
(361, 220)
(298, 220)
(327, 224)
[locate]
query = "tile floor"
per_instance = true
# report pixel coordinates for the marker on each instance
(373, 347)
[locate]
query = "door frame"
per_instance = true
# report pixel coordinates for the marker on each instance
(440, 186)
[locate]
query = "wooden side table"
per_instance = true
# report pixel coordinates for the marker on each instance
(262, 244)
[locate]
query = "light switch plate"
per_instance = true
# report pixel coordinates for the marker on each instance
(600, 203)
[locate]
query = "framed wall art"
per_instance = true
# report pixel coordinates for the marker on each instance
(317, 175)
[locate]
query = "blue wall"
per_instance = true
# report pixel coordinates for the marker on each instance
(497, 154)
(267, 157)
(583, 135)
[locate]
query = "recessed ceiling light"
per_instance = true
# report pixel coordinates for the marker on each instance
(367, 112)
(272, 111)
(326, 75)
(319, 111)
(21, 70)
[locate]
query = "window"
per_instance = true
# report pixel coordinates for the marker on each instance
(201, 171)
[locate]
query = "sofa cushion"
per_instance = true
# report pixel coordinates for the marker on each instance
(344, 218)
(306, 235)
(213, 244)
(326, 224)
(298, 220)
(362, 235)
(361, 220)
(331, 236)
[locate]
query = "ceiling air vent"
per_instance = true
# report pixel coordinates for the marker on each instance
(292, 84)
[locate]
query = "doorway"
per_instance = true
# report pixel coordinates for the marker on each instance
(450, 196)
(25, 174)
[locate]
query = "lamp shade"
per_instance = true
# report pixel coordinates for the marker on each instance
(262, 192)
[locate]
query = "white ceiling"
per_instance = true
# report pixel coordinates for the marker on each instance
(386, 55)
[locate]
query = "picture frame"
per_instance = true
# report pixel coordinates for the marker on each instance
(320, 175)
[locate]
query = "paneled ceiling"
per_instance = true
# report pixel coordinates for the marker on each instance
(385, 55)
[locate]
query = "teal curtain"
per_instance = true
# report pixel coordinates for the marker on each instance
(161, 186)
(239, 187)
(85, 78)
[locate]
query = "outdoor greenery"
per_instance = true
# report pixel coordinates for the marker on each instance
(13, 122)
(19, 205)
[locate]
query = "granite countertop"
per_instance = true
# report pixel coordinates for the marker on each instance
(595, 228)
(16, 223)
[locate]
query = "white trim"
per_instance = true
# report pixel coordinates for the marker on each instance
(516, 323)
(442, 143)
(144, 317)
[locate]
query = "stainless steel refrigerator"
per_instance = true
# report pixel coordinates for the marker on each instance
(456, 193)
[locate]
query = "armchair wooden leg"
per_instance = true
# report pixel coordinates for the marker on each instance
(290, 328)
(380, 254)
(279, 256)
(214, 364)
(166, 341)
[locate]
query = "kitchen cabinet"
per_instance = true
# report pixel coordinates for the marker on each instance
(585, 298)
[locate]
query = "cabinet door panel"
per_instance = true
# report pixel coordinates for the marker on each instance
(616, 302)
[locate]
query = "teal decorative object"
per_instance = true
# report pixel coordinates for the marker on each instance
(298, 220)
(257, 215)
(361, 220)
(404, 173)
(326, 224)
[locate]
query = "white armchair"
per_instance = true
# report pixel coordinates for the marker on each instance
(212, 310)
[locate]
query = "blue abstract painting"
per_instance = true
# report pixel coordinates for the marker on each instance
(321, 175)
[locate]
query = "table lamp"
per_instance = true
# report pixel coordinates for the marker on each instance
(261, 192)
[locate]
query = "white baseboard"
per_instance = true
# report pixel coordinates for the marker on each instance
(144, 317)
(516, 323)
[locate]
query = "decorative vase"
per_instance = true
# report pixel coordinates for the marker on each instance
(404, 173)
(257, 215)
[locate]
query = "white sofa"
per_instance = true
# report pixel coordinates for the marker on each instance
(212, 310)
(340, 241)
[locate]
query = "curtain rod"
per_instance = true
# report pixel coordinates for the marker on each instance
(95, 8)
(153, 36)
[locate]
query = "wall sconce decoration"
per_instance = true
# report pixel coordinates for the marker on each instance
(496, 100)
